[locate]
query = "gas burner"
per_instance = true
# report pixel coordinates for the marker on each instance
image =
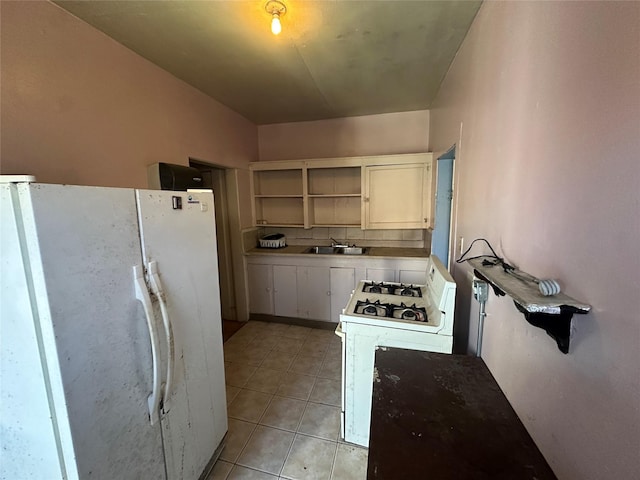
(374, 309)
(373, 287)
(407, 291)
(392, 289)
(404, 312)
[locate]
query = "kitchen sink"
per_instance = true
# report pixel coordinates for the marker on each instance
(353, 250)
(321, 250)
(324, 250)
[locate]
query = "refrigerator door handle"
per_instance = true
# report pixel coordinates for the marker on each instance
(142, 294)
(156, 288)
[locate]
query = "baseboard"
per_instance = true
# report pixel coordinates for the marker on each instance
(302, 322)
(212, 462)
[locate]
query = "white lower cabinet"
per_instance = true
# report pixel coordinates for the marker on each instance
(314, 293)
(285, 291)
(260, 281)
(290, 291)
(319, 288)
(343, 281)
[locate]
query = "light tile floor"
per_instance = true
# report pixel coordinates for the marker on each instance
(283, 397)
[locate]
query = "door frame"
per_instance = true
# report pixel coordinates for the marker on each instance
(229, 250)
(450, 154)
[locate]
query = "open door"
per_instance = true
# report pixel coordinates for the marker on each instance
(444, 194)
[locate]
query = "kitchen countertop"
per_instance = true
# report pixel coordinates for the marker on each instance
(394, 252)
(444, 417)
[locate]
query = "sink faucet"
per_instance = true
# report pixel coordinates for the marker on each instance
(335, 243)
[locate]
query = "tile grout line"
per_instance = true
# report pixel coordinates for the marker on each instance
(264, 412)
(335, 459)
(245, 444)
(307, 401)
(255, 425)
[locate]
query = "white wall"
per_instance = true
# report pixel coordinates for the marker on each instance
(78, 107)
(543, 101)
(389, 133)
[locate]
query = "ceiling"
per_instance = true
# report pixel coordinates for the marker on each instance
(333, 58)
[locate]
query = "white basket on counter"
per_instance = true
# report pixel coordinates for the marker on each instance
(274, 240)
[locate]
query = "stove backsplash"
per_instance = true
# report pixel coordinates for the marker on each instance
(323, 235)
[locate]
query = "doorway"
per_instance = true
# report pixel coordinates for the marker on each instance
(214, 178)
(444, 194)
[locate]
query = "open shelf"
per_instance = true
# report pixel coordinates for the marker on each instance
(283, 182)
(329, 225)
(334, 181)
(278, 196)
(335, 210)
(280, 211)
(336, 195)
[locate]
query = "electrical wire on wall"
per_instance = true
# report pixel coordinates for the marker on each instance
(546, 286)
(495, 259)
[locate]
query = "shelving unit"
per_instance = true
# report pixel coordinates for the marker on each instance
(330, 192)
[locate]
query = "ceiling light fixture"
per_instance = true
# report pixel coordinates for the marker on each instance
(276, 9)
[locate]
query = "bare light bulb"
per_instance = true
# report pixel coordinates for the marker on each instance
(276, 27)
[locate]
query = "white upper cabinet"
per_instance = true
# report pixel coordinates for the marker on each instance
(387, 191)
(397, 195)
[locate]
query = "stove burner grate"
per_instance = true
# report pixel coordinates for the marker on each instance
(391, 289)
(373, 287)
(405, 312)
(408, 291)
(374, 309)
(389, 310)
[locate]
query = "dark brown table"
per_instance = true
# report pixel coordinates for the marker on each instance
(437, 416)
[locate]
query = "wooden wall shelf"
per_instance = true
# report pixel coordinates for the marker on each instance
(551, 313)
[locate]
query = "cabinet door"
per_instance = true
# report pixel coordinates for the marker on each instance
(260, 288)
(314, 293)
(285, 291)
(397, 196)
(343, 281)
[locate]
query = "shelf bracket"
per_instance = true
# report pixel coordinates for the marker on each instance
(557, 326)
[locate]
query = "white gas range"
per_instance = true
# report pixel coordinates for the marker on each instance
(415, 317)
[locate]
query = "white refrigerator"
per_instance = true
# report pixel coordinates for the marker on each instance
(110, 334)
